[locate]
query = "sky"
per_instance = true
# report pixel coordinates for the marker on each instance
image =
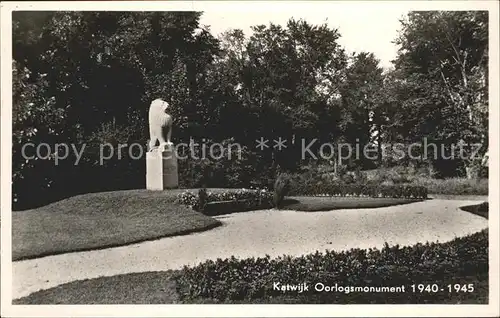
(370, 30)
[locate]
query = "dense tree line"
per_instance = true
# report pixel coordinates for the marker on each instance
(88, 78)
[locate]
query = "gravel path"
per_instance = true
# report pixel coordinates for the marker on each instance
(258, 233)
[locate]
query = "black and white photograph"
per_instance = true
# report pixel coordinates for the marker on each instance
(283, 153)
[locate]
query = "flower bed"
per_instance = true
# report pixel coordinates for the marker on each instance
(242, 200)
(261, 279)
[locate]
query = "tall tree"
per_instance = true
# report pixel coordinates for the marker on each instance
(362, 112)
(443, 64)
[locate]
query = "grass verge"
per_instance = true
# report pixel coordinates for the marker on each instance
(101, 220)
(477, 209)
(311, 204)
(134, 288)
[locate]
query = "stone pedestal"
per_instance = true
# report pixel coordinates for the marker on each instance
(161, 170)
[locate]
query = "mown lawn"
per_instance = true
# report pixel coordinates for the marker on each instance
(101, 220)
(135, 288)
(477, 209)
(311, 204)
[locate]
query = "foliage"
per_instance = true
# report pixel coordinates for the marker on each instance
(360, 176)
(281, 188)
(189, 199)
(36, 119)
(442, 69)
(76, 71)
(215, 208)
(251, 198)
(362, 107)
(226, 280)
(339, 188)
(224, 164)
(453, 186)
(88, 77)
(396, 175)
(202, 198)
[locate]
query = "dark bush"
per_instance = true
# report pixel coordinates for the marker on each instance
(348, 178)
(281, 188)
(360, 176)
(253, 279)
(203, 198)
(337, 188)
(226, 207)
(234, 167)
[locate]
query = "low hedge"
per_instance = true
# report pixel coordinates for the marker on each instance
(372, 190)
(243, 200)
(226, 207)
(254, 279)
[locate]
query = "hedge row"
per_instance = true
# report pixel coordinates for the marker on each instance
(254, 279)
(226, 207)
(244, 199)
(371, 190)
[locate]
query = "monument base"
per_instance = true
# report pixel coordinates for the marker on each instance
(161, 170)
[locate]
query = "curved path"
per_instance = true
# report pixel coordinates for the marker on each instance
(258, 233)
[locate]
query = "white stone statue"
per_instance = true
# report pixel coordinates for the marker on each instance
(160, 125)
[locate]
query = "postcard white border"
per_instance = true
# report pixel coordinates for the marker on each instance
(9, 310)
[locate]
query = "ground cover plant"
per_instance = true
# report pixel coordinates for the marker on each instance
(462, 261)
(100, 220)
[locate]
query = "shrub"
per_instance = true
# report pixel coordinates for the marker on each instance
(396, 175)
(189, 199)
(454, 186)
(202, 197)
(281, 188)
(341, 171)
(235, 167)
(360, 176)
(348, 178)
(336, 188)
(225, 207)
(228, 280)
